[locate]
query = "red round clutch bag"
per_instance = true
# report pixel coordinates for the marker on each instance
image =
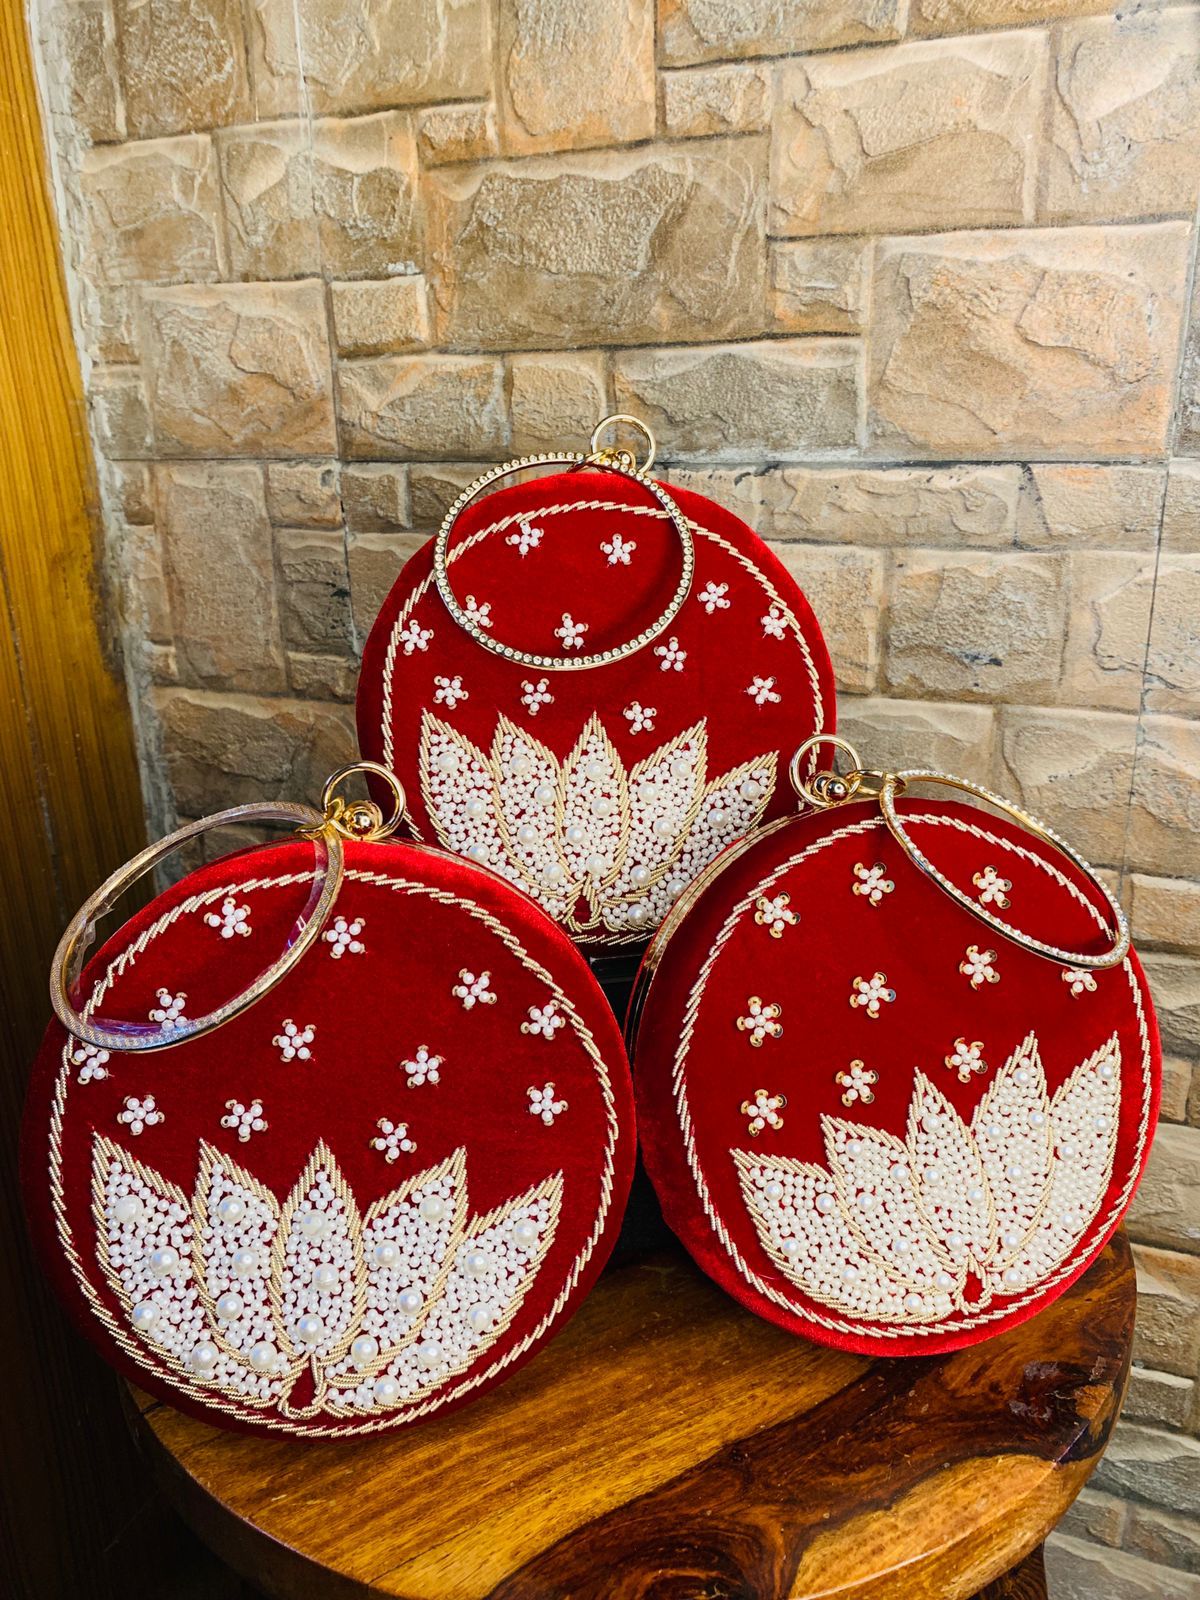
(369, 1196)
(601, 792)
(869, 1116)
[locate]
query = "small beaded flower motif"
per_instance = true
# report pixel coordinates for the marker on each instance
(641, 718)
(762, 1021)
(978, 965)
(393, 1140)
(292, 1042)
(543, 1104)
(90, 1060)
(544, 1020)
(771, 912)
(230, 920)
(423, 1068)
(857, 1083)
(139, 1114)
(571, 632)
(526, 538)
(993, 889)
(244, 1119)
(873, 882)
(618, 550)
(763, 1111)
(712, 597)
(472, 989)
(343, 937)
(671, 656)
(169, 1010)
(870, 993)
(762, 692)
(1079, 980)
(966, 1059)
(535, 695)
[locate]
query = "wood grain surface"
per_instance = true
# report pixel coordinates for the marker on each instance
(669, 1446)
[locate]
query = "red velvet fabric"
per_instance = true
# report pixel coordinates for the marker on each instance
(724, 643)
(694, 1068)
(425, 915)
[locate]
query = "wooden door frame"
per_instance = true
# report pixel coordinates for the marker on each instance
(76, 1515)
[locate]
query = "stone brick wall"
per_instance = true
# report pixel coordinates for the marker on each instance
(906, 282)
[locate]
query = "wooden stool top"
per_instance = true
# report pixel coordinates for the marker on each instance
(669, 1444)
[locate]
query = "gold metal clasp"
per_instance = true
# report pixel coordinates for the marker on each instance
(829, 787)
(362, 819)
(618, 455)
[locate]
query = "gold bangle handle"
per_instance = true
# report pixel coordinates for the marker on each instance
(894, 783)
(75, 942)
(607, 461)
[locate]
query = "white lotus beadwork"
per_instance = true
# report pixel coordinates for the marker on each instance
(902, 1231)
(598, 847)
(311, 1308)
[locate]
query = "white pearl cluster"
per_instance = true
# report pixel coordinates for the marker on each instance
(149, 1253)
(231, 921)
(903, 1230)
(627, 844)
(318, 1300)
(871, 883)
(544, 1104)
(236, 1236)
(243, 1296)
(772, 912)
(491, 1270)
(761, 1020)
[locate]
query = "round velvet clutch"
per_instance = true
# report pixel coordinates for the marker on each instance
(321, 1163)
(897, 1068)
(586, 682)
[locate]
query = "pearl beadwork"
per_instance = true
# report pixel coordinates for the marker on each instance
(524, 809)
(309, 1329)
(244, 1263)
(263, 1357)
(145, 1316)
(364, 1349)
(229, 1306)
(203, 1357)
(164, 1260)
(966, 1207)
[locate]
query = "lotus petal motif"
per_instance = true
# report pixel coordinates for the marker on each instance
(598, 847)
(311, 1307)
(952, 1216)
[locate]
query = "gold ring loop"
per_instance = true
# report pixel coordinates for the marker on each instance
(633, 422)
(804, 789)
(530, 658)
(371, 824)
(894, 782)
(75, 942)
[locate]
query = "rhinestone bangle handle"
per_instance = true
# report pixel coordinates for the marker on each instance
(68, 958)
(606, 462)
(895, 782)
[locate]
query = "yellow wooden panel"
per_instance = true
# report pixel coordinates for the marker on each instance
(71, 812)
